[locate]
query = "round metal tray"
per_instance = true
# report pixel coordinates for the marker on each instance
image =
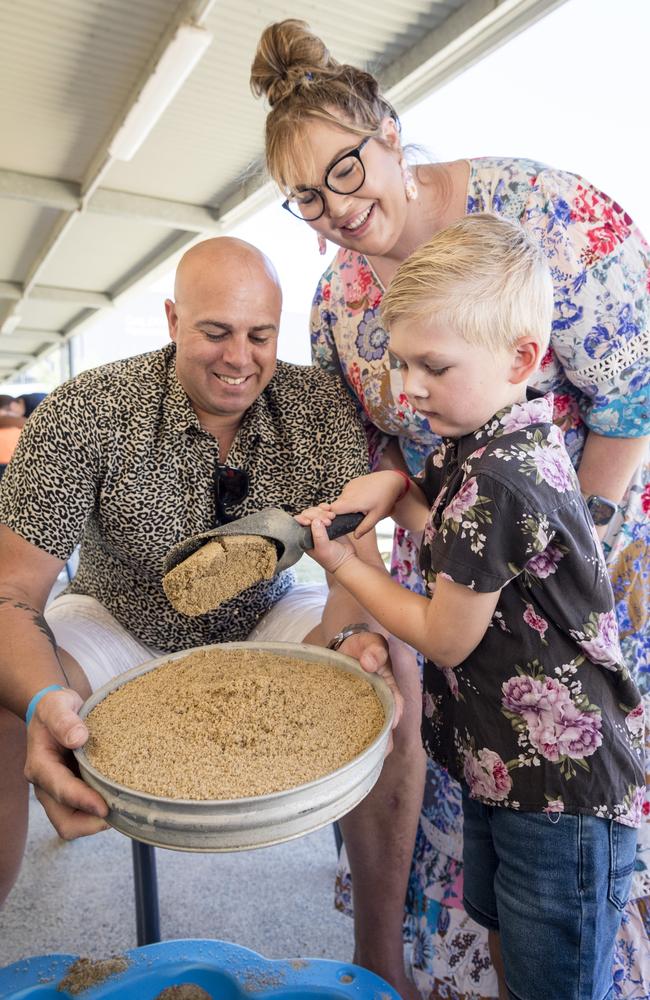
(242, 824)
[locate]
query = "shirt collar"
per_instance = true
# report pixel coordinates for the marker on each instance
(536, 409)
(177, 407)
(258, 422)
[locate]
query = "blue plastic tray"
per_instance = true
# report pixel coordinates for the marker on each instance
(225, 971)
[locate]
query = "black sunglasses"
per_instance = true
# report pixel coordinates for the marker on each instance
(345, 176)
(231, 486)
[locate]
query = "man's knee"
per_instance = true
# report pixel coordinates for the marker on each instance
(74, 674)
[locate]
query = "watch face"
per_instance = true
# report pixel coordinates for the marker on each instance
(601, 510)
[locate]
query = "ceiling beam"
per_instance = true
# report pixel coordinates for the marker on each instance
(188, 11)
(467, 35)
(7, 357)
(13, 291)
(50, 192)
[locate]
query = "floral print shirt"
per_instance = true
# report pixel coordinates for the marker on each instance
(543, 715)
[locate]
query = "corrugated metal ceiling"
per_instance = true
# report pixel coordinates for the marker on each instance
(79, 229)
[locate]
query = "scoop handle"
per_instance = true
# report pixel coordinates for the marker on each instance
(342, 524)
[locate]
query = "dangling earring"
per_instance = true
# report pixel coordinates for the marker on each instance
(322, 245)
(410, 187)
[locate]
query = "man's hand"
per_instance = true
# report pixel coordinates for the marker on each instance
(371, 650)
(74, 809)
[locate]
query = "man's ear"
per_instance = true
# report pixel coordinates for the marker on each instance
(526, 356)
(172, 318)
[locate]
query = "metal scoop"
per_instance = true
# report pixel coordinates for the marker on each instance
(290, 538)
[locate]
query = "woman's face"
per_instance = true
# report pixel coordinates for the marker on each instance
(372, 219)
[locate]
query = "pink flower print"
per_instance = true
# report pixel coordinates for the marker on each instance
(636, 811)
(548, 358)
(635, 720)
(604, 648)
(429, 705)
(487, 775)
(554, 806)
(565, 731)
(462, 502)
(533, 411)
(429, 532)
(521, 694)
(452, 681)
(554, 467)
(535, 621)
(544, 563)
(477, 454)
(645, 499)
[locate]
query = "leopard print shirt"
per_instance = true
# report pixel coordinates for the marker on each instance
(116, 460)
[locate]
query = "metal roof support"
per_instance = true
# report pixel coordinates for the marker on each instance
(12, 291)
(66, 195)
(190, 11)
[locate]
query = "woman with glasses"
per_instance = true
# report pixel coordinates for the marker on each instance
(333, 146)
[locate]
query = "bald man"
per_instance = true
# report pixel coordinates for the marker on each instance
(128, 459)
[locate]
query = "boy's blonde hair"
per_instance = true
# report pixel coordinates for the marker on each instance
(483, 276)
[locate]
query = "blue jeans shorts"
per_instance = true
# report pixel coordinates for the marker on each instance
(553, 887)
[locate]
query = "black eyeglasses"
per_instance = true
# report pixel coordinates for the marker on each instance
(345, 176)
(231, 486)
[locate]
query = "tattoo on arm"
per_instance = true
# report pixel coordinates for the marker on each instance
(39, 621)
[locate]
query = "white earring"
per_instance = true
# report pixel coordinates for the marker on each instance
(410, 187)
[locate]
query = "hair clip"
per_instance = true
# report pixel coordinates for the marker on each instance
(309, 75)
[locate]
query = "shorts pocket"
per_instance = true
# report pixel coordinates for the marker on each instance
(622, 856)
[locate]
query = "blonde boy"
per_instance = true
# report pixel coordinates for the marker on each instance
(526, 698)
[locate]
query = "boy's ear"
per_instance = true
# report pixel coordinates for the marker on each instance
(526, 356)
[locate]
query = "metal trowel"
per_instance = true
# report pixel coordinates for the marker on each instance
(290, 538)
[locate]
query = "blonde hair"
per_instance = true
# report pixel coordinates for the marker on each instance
(301, 81)
(483, 276)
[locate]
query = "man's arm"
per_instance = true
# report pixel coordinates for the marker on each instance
(28, 654)
(30, 661)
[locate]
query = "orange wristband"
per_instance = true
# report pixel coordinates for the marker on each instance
(407, 482)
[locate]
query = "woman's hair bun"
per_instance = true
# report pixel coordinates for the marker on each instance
(288, 56)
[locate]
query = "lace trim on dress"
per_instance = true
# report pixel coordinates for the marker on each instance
(610, 367)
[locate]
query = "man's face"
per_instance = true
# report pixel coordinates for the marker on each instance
(225, 327)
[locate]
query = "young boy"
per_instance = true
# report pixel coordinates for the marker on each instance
(526, 698)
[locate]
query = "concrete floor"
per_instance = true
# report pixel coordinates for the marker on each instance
(78, 897)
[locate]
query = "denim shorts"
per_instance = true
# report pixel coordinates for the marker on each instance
(553, 887)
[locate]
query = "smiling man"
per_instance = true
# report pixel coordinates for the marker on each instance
(128, 459)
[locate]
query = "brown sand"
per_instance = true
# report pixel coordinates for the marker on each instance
(87, 972)
(226, 724)
(185, 991)
(218, 572)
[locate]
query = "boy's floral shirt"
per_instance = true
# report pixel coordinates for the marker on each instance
(543, 715)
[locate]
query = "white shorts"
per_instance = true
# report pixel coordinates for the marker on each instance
(104, 649)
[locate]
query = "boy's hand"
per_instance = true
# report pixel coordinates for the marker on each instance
(331, 555)
(374, 495)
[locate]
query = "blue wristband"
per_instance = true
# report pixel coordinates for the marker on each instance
(31, 708)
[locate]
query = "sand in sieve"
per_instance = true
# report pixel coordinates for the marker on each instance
(226, 724)
(218, 572)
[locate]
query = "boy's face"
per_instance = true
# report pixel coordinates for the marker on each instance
(457, 386)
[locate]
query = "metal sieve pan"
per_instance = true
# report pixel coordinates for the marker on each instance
(242, 824)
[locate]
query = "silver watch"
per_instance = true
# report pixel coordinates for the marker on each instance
(345, 633)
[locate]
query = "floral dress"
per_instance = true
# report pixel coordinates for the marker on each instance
(598, 368)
